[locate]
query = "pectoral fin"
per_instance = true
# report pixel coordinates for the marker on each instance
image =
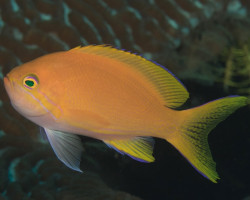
(138, 148)
(67, 147)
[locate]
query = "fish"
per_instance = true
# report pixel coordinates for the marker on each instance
(119, 98)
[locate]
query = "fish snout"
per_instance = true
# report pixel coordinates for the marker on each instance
(7, 77)
(6, 80)
(7, 84)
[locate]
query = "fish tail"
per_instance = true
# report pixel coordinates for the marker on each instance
(191, 136)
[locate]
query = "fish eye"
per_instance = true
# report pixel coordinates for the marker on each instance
(30, 81)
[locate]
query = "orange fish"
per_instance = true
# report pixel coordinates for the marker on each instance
(117, 97)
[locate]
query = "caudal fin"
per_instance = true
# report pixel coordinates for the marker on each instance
(191, 137)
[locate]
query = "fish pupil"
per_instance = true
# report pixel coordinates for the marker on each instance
(29, 83)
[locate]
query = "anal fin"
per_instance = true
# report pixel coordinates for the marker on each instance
(138, 148)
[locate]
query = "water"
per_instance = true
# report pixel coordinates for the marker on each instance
(204, 43)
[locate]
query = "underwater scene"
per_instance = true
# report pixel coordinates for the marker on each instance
(146, 99)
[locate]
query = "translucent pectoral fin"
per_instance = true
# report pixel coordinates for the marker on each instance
(67, 147)
(138, 148)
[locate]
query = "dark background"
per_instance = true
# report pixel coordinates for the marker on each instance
(205, 44)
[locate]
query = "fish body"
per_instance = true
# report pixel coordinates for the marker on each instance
(117, 97)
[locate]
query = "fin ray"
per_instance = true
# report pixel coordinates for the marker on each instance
(67, 147)
(138, 148)
(191, 139)
(169, 88)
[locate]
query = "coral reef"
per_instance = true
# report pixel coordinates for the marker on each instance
(206, 48)
(237, 73)
(154, 28)
(187, 37)
(217, 54)
(204, 41)
(29, 170)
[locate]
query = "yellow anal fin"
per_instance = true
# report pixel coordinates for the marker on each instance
(138, 148)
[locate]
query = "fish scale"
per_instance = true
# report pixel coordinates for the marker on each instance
(116, 101)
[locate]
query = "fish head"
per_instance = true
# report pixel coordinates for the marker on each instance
(29, 89)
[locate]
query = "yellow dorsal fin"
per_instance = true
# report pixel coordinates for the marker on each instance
(170, 89)
(138, 148)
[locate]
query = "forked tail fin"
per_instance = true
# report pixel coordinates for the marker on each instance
(191, 137)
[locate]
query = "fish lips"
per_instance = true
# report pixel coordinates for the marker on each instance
(7, 84)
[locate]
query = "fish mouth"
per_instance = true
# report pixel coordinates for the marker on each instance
(7, 82)
(6, 78)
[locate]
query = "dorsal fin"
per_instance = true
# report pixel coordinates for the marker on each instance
(170, 89)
